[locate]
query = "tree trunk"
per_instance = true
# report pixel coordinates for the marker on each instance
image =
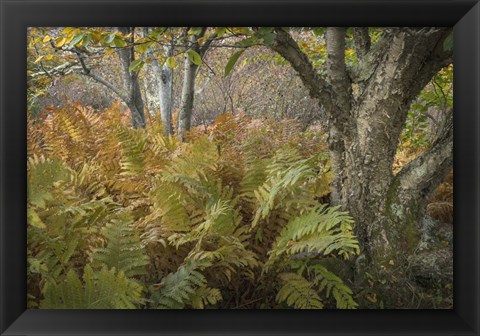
(134, 96)
(188, 89)
(164, 82)
(188, 92)
(166, 90)
(364, 131)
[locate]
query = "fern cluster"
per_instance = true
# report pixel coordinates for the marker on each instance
(122, 218)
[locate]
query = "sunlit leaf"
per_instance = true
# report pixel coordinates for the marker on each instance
(171, 62)
(194, 57)
(136, 65)
(232, 61)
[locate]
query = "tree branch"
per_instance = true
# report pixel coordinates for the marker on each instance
(421, 176)
(60, 70)
(86, 72)
(318, 87)
(203, 49)
(362, 41)
(336, 70)
(365, 69)
(438, 59)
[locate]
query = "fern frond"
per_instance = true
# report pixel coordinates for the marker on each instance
(285, 186)
(332, 284)
(123, 251)
(205, 296)
(322, 230)
(42, 174)
(297, 292)
(107, 289)
(177, 289)
(132, 146)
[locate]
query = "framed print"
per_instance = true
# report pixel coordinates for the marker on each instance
(250, 167)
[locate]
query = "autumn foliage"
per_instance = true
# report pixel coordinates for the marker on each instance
(124, 218)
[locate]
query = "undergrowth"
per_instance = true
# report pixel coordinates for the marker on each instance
(122, 218)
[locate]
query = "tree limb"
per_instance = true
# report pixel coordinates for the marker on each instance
(318, 87)
(87, 72)
(365, 69)
(438, 59)
(421, 176)
(336, 70)
(362, 41)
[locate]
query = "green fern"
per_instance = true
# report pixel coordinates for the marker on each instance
(297, 292)
(124, 250)
(132, 146)
(287, 185)
(42, 174)
(205, 296)
(322, 230)
(177, 290)
(106, 289)
(333, 285)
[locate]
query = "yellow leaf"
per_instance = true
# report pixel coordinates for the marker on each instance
(171, 62)
(39, 58)
(34, 219)
(60, 41)
(67, 30)
(46, 39)
(201, 40)
(48, 57)
(391, 262)
(372, 297)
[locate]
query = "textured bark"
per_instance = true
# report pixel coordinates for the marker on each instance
(188, 91)
(188, 88)
(365, 127)
(166, 91)
(134, 98)
(362, 41)
(164, 81)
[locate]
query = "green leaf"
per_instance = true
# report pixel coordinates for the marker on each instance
(195, 31)
(141, 48)
(318, 31)
(109, 38)
(76, 39)
(86, 40)
(136, 65)
(220, 31)
(119, 42)
(266, 34)
(171, 62)
(194, 57)
(268, 38)
(232, 61)
(248, 42)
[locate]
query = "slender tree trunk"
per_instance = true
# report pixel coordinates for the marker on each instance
(188, 91)
(164, 82)
(188, 88)
(134, 95)
(166, 92)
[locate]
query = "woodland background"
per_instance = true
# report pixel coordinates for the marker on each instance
(240, 167)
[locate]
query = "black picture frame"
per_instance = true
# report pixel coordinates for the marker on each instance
(16, 15)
